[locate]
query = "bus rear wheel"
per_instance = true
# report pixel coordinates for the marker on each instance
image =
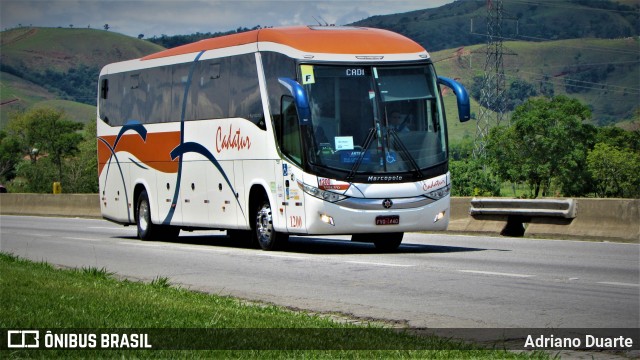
(263, 232)
(147, 230)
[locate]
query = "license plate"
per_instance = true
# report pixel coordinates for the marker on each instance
(388, 220)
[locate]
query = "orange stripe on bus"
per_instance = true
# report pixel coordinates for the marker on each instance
(154, 152)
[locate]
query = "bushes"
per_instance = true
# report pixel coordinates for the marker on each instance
(40, 147)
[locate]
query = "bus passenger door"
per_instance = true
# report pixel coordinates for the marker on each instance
(292, 200)
(291, 147)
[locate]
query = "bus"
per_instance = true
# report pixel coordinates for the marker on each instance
(306, 130)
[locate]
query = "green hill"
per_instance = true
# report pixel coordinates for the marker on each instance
(601, 73)
(450, 26)
(44, 64)
(60, 50)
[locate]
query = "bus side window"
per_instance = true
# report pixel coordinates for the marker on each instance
(104, 95)
(104, 89)
(290, 139)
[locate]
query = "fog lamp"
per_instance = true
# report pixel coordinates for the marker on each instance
(327, 219)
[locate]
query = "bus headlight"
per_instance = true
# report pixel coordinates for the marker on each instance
(439, 193)
(321, 194)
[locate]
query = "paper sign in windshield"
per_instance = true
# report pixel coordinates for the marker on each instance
(344, 143)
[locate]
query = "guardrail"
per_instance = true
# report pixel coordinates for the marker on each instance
(517, 212)
(564, 208)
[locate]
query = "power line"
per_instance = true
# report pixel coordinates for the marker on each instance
(543, 78)
(556, 5)
(567, 46)
(582, 64)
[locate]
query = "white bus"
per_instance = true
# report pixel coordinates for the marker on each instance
(313, 130)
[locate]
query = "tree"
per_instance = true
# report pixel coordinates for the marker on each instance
(47, 138)
(546, 140)
(620, 138)
(56, 136)
(19, 129)
(470, 179)
(615, 171)
(9, 156)
(35, 177)
(81, 171)
(519, 91)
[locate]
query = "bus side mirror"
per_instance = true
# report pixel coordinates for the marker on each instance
(300, 98)
(464, 108)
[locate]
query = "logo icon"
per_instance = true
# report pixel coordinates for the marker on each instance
(23, 339)
(387, 203)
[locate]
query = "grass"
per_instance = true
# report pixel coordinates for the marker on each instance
(38, 296)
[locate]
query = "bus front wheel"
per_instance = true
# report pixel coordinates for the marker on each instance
(263, 232)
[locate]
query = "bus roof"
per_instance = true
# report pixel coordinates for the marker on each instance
(311, 39)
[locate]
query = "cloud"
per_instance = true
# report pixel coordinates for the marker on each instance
(173, 17)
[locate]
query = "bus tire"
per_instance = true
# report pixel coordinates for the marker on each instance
(263, 233)
(146, 229)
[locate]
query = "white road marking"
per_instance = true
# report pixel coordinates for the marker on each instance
(378, 264)
(82, 239)
(614, 283)
(496, 273)
(107, 227)
(38, 235)
(283, 256)
(141, 244)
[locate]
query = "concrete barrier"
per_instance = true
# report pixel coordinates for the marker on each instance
(597, 218)
(68, 205)
(602, 219)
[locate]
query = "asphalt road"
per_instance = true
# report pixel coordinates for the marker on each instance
(433, 280)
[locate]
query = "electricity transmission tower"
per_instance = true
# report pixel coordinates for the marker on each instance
(492, 97)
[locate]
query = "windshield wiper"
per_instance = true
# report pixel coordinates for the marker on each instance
(367, 143)
(403, 149)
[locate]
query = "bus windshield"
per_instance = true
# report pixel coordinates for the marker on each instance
(374, 120)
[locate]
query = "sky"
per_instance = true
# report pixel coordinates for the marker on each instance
(181, 17)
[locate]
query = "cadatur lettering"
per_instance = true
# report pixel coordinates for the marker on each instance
(231, 140)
